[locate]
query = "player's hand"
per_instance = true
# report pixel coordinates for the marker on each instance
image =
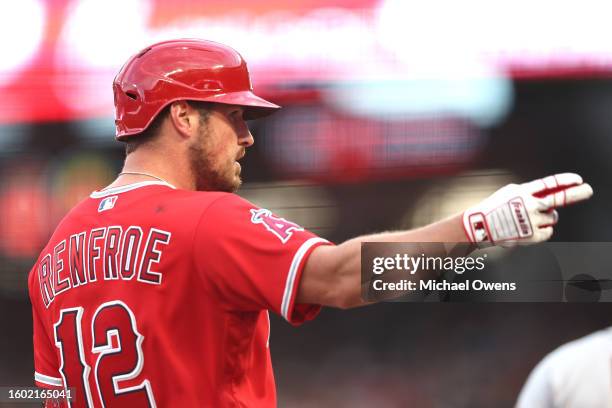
(523, 214)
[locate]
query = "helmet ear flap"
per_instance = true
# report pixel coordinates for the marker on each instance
(127, 103)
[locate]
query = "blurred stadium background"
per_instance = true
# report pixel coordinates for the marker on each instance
(397, 113)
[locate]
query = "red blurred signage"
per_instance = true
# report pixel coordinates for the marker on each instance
(59, 57)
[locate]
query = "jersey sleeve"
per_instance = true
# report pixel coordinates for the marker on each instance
(252, 259)
(46, 367)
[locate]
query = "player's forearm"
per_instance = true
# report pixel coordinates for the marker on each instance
(341, 265)
(517, 214)
(448, 230)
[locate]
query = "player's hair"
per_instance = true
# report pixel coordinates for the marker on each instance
(152, 131)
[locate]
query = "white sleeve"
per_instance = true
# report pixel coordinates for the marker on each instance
(537, 391)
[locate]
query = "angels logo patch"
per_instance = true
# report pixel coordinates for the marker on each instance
(280, 227)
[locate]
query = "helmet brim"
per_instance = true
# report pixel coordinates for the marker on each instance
(255, 107)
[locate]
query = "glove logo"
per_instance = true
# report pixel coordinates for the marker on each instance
(520, 217)
(280, 227)
(479, 227)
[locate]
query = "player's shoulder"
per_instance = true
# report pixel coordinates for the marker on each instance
(205, 196)
(217, 201)
(157, 195)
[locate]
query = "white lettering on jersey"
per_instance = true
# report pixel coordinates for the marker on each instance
(108, 252)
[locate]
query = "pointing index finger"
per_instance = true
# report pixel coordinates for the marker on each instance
(566, 196)
(552, 184)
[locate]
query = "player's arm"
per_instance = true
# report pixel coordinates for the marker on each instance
(514, 215)
(332, 274)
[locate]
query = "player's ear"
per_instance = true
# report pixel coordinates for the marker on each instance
(184, 118)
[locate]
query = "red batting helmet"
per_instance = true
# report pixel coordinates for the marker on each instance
(187, 69)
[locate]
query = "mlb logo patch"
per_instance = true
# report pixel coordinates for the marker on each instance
(107, 204)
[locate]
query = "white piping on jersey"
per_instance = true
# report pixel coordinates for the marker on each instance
(293, 269)
(46, 379)
(128, 187)
(269, 329)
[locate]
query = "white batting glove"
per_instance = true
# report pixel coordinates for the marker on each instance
(523, 214)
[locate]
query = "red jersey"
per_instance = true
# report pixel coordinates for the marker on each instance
(151, 296)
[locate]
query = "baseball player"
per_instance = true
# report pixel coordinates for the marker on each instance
(155, 290)
(577, 374)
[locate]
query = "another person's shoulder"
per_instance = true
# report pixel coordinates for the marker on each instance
(575, 374)
(577, 355)
(580, 351)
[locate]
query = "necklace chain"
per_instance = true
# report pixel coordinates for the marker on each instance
(138, 173)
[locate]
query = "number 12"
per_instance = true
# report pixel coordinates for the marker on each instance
(118, 360)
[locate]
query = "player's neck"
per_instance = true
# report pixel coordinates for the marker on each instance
(138, 169)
